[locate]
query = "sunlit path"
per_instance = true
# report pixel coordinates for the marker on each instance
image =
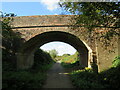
(57, 78)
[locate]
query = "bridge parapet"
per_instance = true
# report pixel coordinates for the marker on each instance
(41, 20)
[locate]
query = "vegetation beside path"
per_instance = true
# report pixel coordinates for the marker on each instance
(70, 61)
(31, 78)
(88, 78)
(34, 77)
(19, 79)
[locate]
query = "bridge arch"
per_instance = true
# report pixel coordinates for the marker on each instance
(25, 58)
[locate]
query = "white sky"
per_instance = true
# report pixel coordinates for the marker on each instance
(60, 47)
(50, 4)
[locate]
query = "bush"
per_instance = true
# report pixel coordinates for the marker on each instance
(22, 79)
(68, 65)
(85, 79)
(28, 79)
(88, 78)
(116, 62)
(12, 78)
(70, 61)
(66, 58)
(11, 42)
(111, 77)
(41, 58)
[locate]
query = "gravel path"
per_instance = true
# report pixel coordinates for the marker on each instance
(57, 78)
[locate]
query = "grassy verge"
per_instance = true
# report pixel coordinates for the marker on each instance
(26, 78)
(70, 61)
(87, 78)
(70, 65)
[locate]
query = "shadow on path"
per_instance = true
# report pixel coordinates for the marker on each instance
(57, 78)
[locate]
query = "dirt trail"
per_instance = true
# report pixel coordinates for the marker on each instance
(57, 78)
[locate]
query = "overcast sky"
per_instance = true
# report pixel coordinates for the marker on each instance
(60, 47)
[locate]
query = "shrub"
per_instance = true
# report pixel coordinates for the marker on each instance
(41, 58)
(88, 78)
(25, 79)
(85, 79)
(22, 79)
(70, 61)
(111, 77)
(116, 62)
(16, 80)
(68, 65)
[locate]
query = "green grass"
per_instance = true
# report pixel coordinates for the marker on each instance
(29, 79)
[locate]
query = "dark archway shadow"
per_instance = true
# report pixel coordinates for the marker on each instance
(26, 54)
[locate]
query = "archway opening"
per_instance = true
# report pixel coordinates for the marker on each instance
(26, 55)
(60, 47)
(63, 53)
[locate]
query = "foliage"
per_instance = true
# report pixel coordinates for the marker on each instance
(60, 58)
(116, 62)
(7, 14)
(53, 53)
(65, 55)
(96, 14)
(23, 79)
(33, 78)
(111, 77)
(66, 58)
(87, 78)
(11, 42)
(41, 58)
(15, 79)
(66, 65)
(70, 61)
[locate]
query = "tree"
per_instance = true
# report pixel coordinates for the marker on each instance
(53, 53)
(40, 58)
(66, 55)
(11, 42)
(7, 14)
(95, 14)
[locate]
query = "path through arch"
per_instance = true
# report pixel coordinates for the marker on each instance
(57, 78)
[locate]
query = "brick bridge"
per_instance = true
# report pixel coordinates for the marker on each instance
(38, 30)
